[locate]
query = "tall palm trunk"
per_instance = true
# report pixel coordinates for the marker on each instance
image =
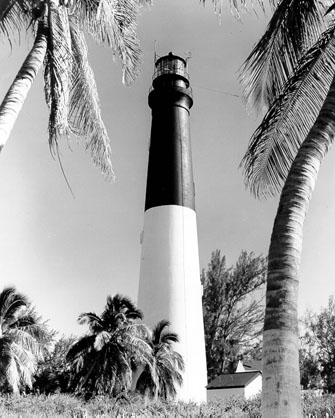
(281, 377)
(17, 93)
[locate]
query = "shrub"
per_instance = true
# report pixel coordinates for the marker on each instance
(318, 406)
(135, 406)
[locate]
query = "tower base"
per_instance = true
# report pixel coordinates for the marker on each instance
(170, 289)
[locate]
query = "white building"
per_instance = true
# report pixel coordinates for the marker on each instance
(243, 383)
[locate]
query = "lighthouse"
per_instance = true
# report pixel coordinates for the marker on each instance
(169, 285)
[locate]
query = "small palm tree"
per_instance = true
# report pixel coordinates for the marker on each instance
(160, 379)
(104, 358)
(23, 339)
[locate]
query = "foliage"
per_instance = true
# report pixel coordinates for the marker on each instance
(232, 314)
(103, 359)
(320, 340)
(66, 406)
(237, 7)
(318, 406)
(54, 372)
(310, 372)
(23, 340)
(310, 367)
(294, 25)
(288, 73)
(58, 27)
(159, 380)
(62, 405)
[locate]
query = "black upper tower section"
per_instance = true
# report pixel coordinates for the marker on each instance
(170, 175)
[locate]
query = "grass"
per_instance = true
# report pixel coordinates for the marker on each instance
(63, 406)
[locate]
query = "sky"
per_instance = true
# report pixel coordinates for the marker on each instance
(68, 253)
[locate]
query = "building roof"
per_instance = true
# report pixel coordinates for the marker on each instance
(233, 380)
(254, 365)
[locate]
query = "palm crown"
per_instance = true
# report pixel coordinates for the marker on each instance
(161, 379)
(288, 74)
(23, 339)
(105, 357)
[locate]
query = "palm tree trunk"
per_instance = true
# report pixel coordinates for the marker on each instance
(17, 93)
(281, 377)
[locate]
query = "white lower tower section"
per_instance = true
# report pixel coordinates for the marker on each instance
(170, 288)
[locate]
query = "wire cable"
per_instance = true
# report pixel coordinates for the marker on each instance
(216, 91)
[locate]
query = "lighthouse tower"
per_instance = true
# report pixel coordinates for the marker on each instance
(169, 286)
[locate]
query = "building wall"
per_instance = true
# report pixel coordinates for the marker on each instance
(253, 388)
(224, 393)
(170, 289)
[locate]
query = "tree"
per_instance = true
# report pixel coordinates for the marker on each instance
(70, 89)
(54, 372)
(320, 330)
(23, 340)
(103, 359)
(160, 379)
(232, 316)
(288, 147)
(309, 362)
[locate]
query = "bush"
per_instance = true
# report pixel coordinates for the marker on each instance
(39, 406)
(62, 405)
(135, 406)
(315, 406)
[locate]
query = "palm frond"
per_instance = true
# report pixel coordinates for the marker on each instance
(122, 304)
(94, 322)
(27, 342)
(274, 144)
(169, 368)
(90, 318)
(85, 114)
(25, 365)
(11, 304)
(164, 337)
(15, 16)
(12, 377)
(236, 6)
(33, 325)
(89, 372)
(113, 23)
(142, 331)
(83, 345)
(57, 75)
(101, 340)
(330, 9)
(5, 355)
(295, 26)
(158, 329)
(169, 338)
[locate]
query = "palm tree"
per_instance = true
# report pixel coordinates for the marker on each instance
(288, 147)
(161, 379)
(103, 359)
(70, 89)
(23, 339)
